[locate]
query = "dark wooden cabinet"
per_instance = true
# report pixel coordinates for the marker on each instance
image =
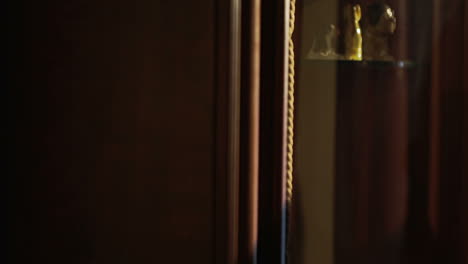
(156, 132)
(122, 131)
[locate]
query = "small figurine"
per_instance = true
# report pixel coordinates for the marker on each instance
(379, 25)
(353, 37)
(324, 45)
(331, 41)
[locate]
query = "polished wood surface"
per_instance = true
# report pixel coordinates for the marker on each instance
(228, 42)
(250, 148)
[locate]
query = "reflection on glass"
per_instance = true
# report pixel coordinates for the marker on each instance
(324, 45)
(353, 37)
(366, 190)
(379, 25)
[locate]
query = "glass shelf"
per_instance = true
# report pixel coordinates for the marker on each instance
(365, 63)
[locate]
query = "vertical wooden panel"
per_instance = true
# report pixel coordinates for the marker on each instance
(227, 131)
(250, 114)
(434, 126)
(448, 88)
(465, 140)
(115, 132)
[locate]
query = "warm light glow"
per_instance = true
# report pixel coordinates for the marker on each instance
(389, 12)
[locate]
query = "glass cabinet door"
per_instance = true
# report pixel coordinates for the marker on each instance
(380, 171)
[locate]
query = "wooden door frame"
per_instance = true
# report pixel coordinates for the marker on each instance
(237, 130)
(227, 112)
(251, 131)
